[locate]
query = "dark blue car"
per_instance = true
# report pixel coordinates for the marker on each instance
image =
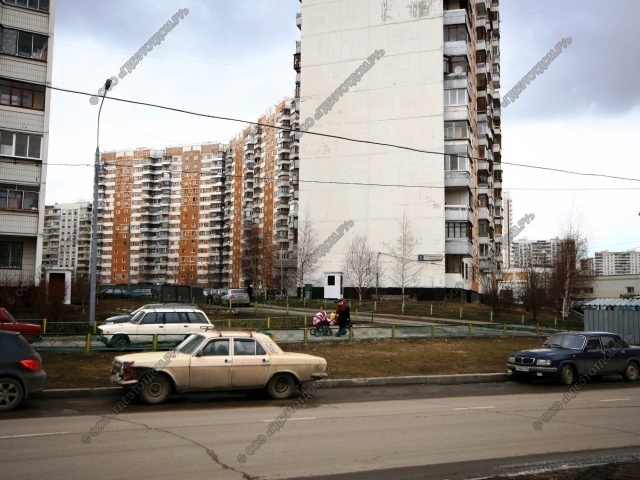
(566, 356)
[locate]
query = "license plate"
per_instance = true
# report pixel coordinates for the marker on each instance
(522, 369)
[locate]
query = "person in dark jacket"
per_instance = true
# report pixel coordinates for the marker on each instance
(249, 290)
(344, 317)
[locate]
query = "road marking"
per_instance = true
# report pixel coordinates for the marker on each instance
(290, 419)
(473, 408)
(34, 435)
(616, 400)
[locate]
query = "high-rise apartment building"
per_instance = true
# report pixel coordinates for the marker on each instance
(26, 44)
(423, 81)
(67, 237)
(617, 263)
(203, 215)
(534, 253)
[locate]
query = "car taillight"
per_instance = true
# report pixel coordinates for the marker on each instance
(232, 296)
(30, 363)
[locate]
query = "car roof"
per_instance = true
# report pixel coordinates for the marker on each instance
(215, 333)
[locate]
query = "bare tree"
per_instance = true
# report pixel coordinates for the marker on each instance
(359, 265)
(532, 291)
(307, 245)
(566, 276)
(490, 284)
(402, 250)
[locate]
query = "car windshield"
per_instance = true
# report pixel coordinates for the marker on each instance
(137, 317)
(190, 344)
(560, 340)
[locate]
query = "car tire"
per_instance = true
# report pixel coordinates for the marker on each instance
(631, 372)
(281, 386)
(155, 391)
(566, 375)
(120, 341)
(11, 394)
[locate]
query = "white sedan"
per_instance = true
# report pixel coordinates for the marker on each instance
(217, 361)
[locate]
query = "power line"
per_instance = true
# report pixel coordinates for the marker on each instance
(337, 137)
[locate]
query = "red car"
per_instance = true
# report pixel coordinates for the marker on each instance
(29, 330)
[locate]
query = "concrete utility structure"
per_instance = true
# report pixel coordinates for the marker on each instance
(26, 45)
(423, 76)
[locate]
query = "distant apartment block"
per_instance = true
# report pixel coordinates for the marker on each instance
(26, 33)
(617, 263)
(534, 253)
(190, 215)
(428, 75)
(67, 237)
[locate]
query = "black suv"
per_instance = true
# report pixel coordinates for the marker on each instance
(20, 370)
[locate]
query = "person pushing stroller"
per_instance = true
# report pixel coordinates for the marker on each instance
(344, 317)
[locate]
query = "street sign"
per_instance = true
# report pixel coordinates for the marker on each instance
(426, 257)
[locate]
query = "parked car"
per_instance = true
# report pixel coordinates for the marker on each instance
(145, 293)
(210, 360)
(30, 331)
(235, 297)
(217, 296)
(125, 318)
(114, 293)
(568, 355)
(171, 322)
(21, 371)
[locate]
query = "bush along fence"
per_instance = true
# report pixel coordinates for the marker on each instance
(89, 342)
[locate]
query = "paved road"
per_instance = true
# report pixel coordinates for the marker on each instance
(405, 429)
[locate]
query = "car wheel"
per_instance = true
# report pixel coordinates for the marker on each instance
(566, 375)
(155, 391)
(120, 341)
(631, 372)
(281, 386)
(11, 394)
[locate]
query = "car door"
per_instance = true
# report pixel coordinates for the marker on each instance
(173, 323)
(613, 359)
(151, 323)
(210, 368)
(251, 363)
(591, 355)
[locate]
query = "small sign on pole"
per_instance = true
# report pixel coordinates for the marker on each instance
(429, 257)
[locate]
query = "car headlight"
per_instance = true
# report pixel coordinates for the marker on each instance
(511, 359)
(545, 362)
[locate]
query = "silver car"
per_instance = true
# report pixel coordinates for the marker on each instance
(236, 297)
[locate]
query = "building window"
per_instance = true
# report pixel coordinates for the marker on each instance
(456, 163)
(23, 44)
(21, 94)
(42, 5)
(456, 96)
(20, 145)
(456, 131)
(11, 255)
(455, 33)
(629, 289)
(453, 263)
(458, 230)
(18, 200)
(458, 64)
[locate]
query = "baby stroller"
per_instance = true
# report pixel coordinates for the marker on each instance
(321, 325)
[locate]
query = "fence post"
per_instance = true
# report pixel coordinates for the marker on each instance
(403, 305)
(304, 335)
(537, 329)
(432, 309)
(504, 329)
(470, 330)
(268, 322)
(393, 332)
(356, 315)
(229, 322)
(491, 317)
(155, 342)
(375, 304)
(44, 326)
(523, 319)
(371, 317)
(305, 321)
(87, 346)
(350, 334)
(555, 323)
(460, 312)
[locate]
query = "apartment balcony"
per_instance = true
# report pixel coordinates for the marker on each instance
(458, 246)
(455, 17)
(458, 179)
(458, 213)
(456, 49)
(483, 164)
(299, 20)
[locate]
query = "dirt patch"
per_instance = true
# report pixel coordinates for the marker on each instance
(376, 358)
(610, 471)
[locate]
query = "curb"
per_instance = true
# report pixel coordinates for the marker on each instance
(338, 383)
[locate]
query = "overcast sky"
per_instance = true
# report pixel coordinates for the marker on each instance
(234, 58)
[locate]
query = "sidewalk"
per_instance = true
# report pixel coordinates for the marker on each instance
(337, 383)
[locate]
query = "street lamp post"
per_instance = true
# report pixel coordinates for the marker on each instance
(94, 230)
